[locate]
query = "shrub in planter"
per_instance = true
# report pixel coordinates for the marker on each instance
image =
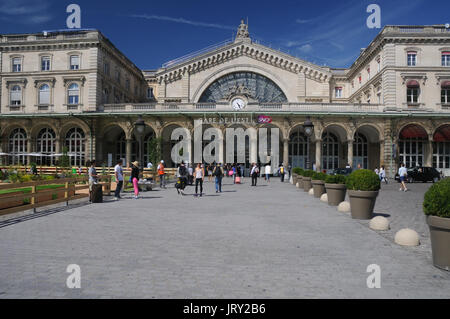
(307, 180)
(297, 173)
(436, 206)
(318, 184)
(363, 186)
(336, 189)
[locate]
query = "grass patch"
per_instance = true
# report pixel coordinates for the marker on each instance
(27, 190)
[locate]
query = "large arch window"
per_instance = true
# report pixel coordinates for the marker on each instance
(73, 94)
(46, 145)
(256, 86)
(330, 151)
(441, 148)
(44, 94)
(360, 151)
(411, 145)
(298, 149)
(18, 146)
(16, 96)
(76, 146)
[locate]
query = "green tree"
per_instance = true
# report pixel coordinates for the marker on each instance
(154, 148)
(65, 160)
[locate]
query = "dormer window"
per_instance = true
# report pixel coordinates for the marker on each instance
(412, 58)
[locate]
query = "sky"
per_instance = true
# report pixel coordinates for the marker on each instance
(150, 33)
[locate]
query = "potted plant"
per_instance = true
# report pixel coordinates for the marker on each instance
(295, 174)
(318, 183)
(436, 206)
(307, 180)
(298, 179)
(336, 189)
(363, 187)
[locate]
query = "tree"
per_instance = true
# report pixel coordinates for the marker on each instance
(154, 148)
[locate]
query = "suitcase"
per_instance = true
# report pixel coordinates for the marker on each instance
(238, 180)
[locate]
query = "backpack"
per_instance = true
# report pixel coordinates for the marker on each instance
(282, 170)
(218, 172)
(182, 170)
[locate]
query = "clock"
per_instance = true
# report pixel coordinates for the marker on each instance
(238, 104)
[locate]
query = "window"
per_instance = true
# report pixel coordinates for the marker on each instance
(330, 151)
(45, 63)
(360, 79)
(446, 58)
(76, 146)
(16, 96)
(412, 58)
(118, 76)
(44, 95)
(73, 94)
(445, 93)
(412, 92)
(74, 62)
(360, 151)
(149, 93)
(368, 73)
(46, 145)
(127, 84)
(18, 146)
(17, 65)
(105, 96)
(106, 68)
(378, 64)
(338, 92)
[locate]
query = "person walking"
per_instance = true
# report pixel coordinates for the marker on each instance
(161, 174)
(267, 171)
(182, 174)
(383, 175)
(93, 178)
(403, 173)
(210, 171)
(377, 171)
(281, 172)
(218, 173)
(199, 178)
(234, 169)
(135, 178)
(118, 174)
(254, 174)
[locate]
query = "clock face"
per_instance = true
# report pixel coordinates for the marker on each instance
(238, 104)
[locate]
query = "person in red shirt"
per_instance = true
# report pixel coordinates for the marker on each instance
(161, 174)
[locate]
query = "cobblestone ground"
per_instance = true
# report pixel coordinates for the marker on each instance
(270, 241)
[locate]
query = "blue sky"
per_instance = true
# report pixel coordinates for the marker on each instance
(326, 32)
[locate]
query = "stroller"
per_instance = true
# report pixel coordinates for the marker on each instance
(180, 185)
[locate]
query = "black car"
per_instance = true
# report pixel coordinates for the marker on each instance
(422, 174)
(340, 171)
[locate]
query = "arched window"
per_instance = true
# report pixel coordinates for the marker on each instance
(298, 149)
(412, 92)
(16, 96)
(76, 146)
(360, 151)
(73, 94)
(18, 146)
(330, 151)
(44, 94)
(46, 144)
(411, 145)
(445, 92)
(441, 149)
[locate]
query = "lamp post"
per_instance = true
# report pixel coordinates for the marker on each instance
(308, 128)
(139, 126)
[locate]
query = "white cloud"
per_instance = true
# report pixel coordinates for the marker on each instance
(25, 11)
(306, 48)
(182, 20)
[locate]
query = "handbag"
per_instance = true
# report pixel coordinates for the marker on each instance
(230, 173)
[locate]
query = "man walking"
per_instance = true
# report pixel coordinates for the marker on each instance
(118, 174)
(403, 173)
(254, 174)
(218, 173)
(267, 171)
(162, 182)
(281, 172)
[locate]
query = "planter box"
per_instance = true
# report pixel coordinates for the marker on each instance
(294, 178)
(319, 188)
(306, 183)
(440, 241)
(300, 181)
(336, 193)
(362, 203)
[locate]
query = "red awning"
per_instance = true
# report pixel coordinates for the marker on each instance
(445, 84)
(413, 131)
(413, 84)
(442, 134)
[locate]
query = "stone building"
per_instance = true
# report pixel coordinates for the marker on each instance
(75, 89)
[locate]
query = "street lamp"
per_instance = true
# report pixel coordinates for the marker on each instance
(308, 128)
(139, 126)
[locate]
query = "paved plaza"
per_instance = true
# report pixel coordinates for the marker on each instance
(270, 241)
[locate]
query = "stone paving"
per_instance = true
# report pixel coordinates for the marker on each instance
(270, 241)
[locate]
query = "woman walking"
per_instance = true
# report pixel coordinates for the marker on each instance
(135, 178)
(199, 178)
(383, 175)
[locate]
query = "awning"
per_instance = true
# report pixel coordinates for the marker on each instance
(442, 134)
(413, 131)
(413, 84)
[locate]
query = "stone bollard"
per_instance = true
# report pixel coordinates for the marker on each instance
(344, 207)
(407, 237)
(379, 223)
(324, 198)
(311, 192)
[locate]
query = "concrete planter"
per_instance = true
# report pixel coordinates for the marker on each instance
(306, 183)
(336, 193)
(362, 203)
(300, 181)
(440, 241)
(319, 188)
(294, 179)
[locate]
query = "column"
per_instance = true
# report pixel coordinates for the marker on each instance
(57, 149)
(286, 152)
(382, 153)
(350, 153)
(128, 152)
(429, 152)
(99, 150)
(30, 143)
(1, 151)
(318, 155)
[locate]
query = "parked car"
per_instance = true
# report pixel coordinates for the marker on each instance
(421, 174)
(340, 171)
